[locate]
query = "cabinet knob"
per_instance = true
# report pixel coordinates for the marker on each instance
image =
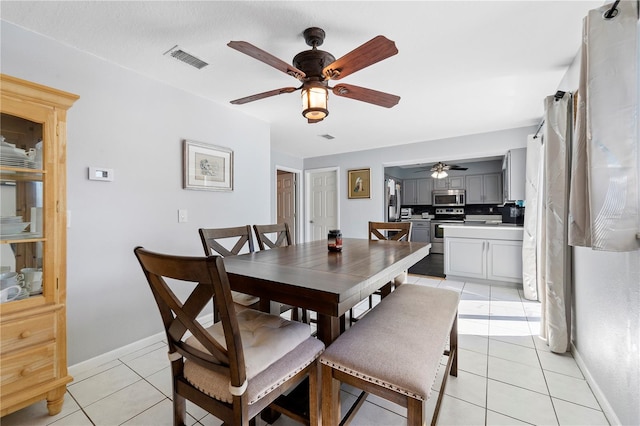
(25, 334)
(25, 372)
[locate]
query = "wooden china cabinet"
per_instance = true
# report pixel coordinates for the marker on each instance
(33, 341)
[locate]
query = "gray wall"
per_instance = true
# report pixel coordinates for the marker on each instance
(355, 213)
(606, 331)
(135, 126)
(473, 168)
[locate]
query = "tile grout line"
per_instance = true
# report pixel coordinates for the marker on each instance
(486, 384)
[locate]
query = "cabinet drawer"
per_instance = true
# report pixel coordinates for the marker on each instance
(30, 367)
(26, 332)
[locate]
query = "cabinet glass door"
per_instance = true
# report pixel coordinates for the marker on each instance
(21, 208)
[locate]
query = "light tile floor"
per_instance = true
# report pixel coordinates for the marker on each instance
(507, 376)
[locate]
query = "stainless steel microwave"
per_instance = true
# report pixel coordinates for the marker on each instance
(448, 197)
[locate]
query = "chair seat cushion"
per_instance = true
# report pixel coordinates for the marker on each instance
(243, 299)
(399, 343)
(266, 340)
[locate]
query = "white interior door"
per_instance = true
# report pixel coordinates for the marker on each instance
(323, 203)
(286, 200)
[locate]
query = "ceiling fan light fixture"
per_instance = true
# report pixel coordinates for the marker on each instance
(439, 174)
(314, 102)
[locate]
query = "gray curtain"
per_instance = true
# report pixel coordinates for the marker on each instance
(579, 209)
(554, 265)
(531, 249)
(604, 193)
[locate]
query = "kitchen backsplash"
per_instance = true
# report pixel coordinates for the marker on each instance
(472, 209)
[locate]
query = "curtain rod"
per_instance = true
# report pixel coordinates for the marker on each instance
(559, 95)
(538, 131)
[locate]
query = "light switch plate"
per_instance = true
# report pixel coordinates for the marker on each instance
(182, 216)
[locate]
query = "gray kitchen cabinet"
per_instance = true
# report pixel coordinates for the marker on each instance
(450, 182)
(417, 191)
(484, 253)
(484, 189)
(421, 231)
(424, 189)
(497, 260)
(409, 197)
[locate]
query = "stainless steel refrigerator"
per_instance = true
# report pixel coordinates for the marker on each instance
(392, 199)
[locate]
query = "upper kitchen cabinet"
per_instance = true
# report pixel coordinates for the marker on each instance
(451, 182)
(513, 174)
(484, 189)
(33, 342)
(417, 191)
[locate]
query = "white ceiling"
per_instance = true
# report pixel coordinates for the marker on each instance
(463, 67)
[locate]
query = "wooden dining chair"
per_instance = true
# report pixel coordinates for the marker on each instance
(274, 236)
(395, 231)
(240, 238)
(238, 366)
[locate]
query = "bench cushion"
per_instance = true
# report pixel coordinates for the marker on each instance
(398, 344)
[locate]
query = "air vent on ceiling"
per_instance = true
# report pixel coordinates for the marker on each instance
(327, 136)
(185, 57)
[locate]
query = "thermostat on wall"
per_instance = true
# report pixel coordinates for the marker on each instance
(100, 173)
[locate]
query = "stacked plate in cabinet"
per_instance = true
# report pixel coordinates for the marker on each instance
(10, 156)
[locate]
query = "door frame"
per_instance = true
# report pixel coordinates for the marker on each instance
(307, 199)
(298, 195)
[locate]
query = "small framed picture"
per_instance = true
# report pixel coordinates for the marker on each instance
(360, 183)
(207, 167)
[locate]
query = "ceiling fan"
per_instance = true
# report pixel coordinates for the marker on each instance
(440, 169)
(314, 68)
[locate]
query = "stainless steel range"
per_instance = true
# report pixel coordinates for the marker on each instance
(443, 215)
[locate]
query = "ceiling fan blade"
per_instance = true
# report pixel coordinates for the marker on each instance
(455, 167)
(267, 58)
(366, 95)
(375, 50)
(264, 95)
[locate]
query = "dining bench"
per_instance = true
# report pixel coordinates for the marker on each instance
(394, 352)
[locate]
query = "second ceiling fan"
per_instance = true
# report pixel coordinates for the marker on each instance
(440, 169)
(314, 68)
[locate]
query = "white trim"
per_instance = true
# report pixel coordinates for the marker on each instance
(597, 392)
(90, 364)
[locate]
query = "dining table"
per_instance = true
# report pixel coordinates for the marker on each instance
(330, 283)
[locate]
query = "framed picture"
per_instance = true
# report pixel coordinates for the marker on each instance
(360, 183)
(207, 167)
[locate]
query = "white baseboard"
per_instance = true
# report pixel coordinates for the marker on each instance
(99, 360)
(597, 392)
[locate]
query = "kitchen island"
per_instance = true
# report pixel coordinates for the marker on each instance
(484, 252)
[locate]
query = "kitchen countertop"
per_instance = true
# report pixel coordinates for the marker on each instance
(499, 231)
